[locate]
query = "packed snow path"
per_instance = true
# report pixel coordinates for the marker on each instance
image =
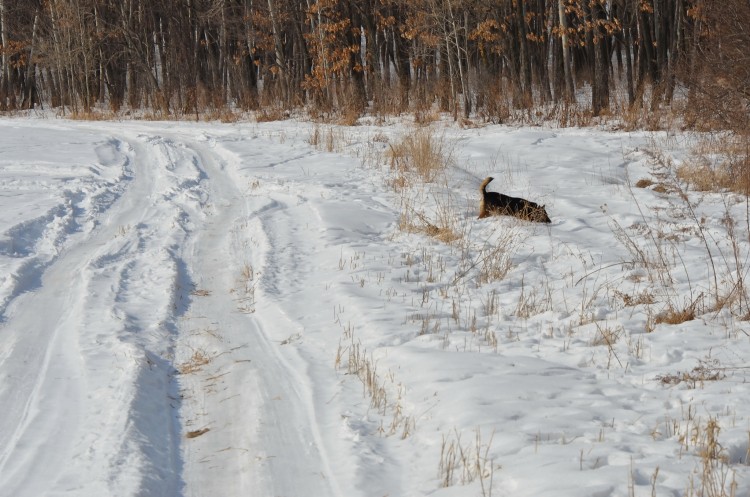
(141, 350)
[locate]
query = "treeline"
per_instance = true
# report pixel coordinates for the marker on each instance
(469, 57)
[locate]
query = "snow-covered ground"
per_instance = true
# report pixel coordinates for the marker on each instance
(263, 309)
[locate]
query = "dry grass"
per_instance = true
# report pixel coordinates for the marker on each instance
(607, 335)
(428, 205)
(496, 261)
(463, 463)
(197, 433)
(222, 114)
(196, 362)
(698, 376)
(645, 297)
(719, 162)
(411, 220)
(644, 183)
(493, 102)
(269, 114)
(92, 115)
(657, 187)
(349, 115)
(716, 476)
(673, 315)
(386, 397)
(328, 138)
(421, 153)
(244, 290)
(708, 369)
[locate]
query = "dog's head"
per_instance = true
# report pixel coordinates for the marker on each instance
(543, 216)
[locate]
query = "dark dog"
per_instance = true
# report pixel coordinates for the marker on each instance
(497, 204)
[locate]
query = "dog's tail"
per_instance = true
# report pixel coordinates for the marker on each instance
(484, 184)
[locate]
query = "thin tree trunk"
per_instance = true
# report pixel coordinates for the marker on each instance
(542, 51)
(567, 71)
(523, 55)
(403, 68)
(628, 36)
(279, 50)
(29, 97)
(453, 40)
(356, 70)
(675, 50)
(4, 69)
(85, 42)
(62, 86)
(602, 58)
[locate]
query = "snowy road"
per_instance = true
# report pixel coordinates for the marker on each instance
(157, 314)
(78, 360)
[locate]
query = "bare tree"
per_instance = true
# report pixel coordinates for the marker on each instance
(569, 94)
(192, 56)
(4, 67)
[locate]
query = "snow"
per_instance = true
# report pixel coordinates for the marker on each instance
(235, 309)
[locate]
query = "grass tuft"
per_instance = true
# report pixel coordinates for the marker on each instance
(421, 153)
(196, 362)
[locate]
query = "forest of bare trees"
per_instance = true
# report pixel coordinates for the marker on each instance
(478, 58)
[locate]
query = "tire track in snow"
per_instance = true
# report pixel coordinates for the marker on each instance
(42, 371)
(162, 267)
(251, 404)
(315, 217)
(31, 245)
(100, 396)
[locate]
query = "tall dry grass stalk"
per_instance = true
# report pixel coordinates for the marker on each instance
(421, 153)
(463, 463)
(419, 162)
(718, 162)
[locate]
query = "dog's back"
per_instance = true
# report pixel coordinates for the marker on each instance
(497, 204)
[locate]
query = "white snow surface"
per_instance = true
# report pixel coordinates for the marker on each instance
(207, 309)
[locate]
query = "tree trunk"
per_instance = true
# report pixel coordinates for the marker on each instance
(602, 60)
(628, 36)
(279, 51)
(523, 55)
(356, 71)
(675, 49)
(567, 71)
(403, 68)
(29, 98)
(4, 69)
